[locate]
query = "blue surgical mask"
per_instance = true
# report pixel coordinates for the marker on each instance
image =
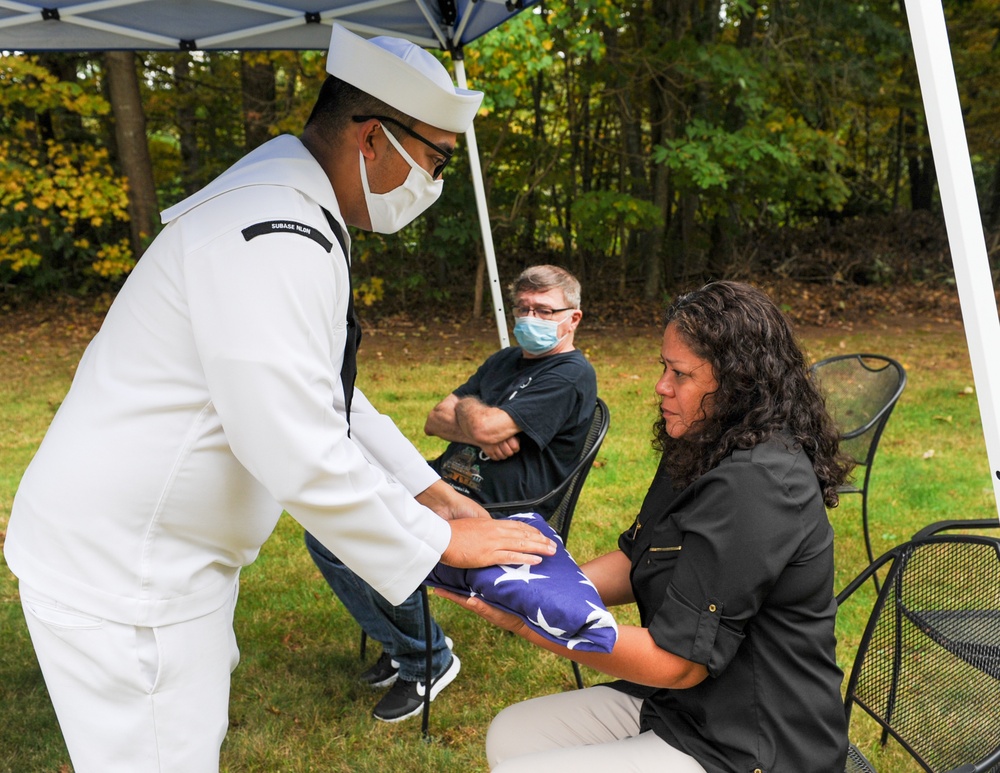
(537, 336)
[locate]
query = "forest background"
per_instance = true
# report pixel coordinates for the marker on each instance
(647, 146)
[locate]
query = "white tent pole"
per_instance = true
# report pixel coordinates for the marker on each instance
(961, 211)
(496, 292)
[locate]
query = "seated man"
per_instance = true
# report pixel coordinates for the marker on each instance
(515, 430)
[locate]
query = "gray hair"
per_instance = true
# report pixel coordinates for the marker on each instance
(540, 279)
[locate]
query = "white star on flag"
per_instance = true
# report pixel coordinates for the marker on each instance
(601, 618)
(543, 624)
(519, 572)
(586, 581)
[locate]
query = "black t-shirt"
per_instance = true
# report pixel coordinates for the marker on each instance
(551, 399)
(736, 572)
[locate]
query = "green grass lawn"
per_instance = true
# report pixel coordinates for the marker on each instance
(296, 704)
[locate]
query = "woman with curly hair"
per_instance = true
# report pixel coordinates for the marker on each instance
(730, 562)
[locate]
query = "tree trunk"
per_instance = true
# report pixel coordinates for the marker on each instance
(671, 101)
(259, 93)
(991, 216)
(530, 208)
(133, 150)
(920, 164)
(726, 225)
(896, 167)
(477, 298)
(187, 124)
(654, 243)
(632, 152)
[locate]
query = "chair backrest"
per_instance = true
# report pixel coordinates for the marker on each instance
(567, 492)
(928, 665)
(861, 391)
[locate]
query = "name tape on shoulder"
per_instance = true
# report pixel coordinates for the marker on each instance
(287, 227)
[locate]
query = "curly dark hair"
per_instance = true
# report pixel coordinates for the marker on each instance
(764, 386)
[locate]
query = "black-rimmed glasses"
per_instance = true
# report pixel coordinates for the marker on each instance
(436, 148)
(541, 313)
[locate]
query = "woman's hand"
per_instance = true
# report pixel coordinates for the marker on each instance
(636, 657)
(499, 618)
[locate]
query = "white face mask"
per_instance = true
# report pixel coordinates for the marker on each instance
(391, 211)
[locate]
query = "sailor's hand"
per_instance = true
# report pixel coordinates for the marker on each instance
(477, 542)
(448, 503)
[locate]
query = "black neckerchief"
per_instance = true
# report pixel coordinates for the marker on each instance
(349, 369)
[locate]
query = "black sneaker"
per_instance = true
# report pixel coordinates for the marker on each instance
(384, 671)
(382, 674)
(406, 699)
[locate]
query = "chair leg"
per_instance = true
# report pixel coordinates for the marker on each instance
(429, 664)
(577, 674)
(364, 644)
(867, 534)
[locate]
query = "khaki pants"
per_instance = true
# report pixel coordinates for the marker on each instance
(131, 699)
(596, 729)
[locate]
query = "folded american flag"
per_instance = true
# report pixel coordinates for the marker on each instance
(554, 597)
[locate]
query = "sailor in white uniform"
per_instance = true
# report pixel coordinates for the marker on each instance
(218, 394)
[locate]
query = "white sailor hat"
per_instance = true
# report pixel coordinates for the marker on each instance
(402, 75)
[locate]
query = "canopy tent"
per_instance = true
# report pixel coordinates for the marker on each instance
(148, 25)
(448, 25)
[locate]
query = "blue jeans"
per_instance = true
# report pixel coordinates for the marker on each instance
(399, 629)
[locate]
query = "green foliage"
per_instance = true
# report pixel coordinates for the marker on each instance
(632, 142)
(777, 161)
(602, 217)
(510, 57)
(592, 101)
(63, 211)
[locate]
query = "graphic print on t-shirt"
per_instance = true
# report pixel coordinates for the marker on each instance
(462, 469)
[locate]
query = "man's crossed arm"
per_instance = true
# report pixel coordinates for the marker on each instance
(469, 420)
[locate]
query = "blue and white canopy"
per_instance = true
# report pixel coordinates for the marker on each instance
(148, 25)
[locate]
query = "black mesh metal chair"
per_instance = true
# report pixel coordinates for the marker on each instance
(857, 762)
(861, 390)
(565, 494)
(927, 668)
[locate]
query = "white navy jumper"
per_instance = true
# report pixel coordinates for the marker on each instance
(209, 402)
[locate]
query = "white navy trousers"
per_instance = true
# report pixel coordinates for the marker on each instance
(131, 699)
